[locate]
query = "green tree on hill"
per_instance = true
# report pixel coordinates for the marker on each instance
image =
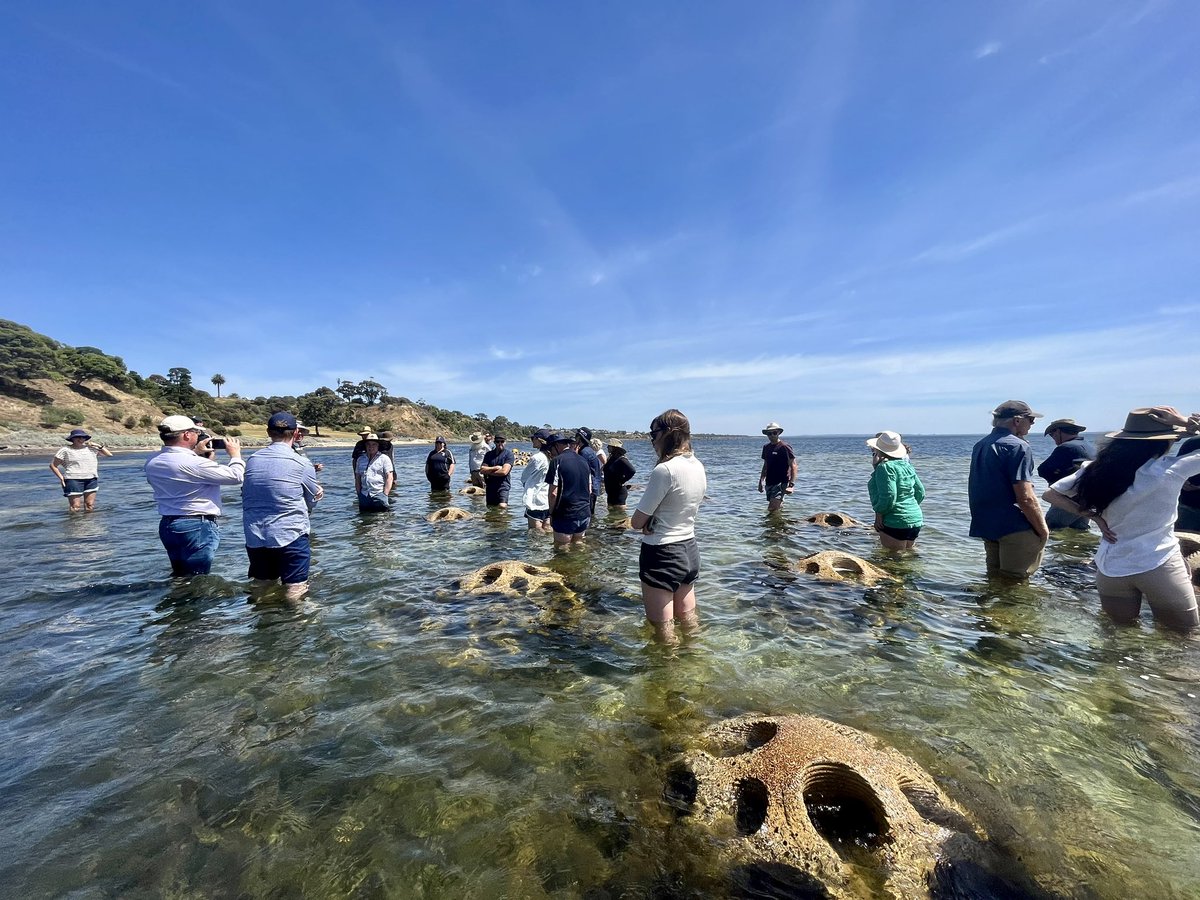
(318, 408)
(218, 380)
(179, 387)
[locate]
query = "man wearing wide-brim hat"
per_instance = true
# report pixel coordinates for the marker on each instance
(778, 474)
(1070, 452)
(1005, 512)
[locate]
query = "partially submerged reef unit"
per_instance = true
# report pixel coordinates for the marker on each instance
(807, 807)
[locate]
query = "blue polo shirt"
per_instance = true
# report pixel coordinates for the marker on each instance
(997, 462)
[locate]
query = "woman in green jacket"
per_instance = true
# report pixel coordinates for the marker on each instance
(896, 492)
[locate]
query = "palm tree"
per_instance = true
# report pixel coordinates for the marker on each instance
(218, 380)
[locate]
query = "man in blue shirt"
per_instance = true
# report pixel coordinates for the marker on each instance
(279, 492)
(497, 463)
(571, 496)
(1005, 511)
(583, 446)
(1070, 452)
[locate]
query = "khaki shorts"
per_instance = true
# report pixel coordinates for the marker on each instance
(1168, 589)
(1015, 555)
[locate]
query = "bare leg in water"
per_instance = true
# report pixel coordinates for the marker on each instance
(664, 608)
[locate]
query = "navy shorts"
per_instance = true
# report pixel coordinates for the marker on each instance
(901, 534)
(287, 564)
(77, 487)
(571, 526)
(496, 493)
(669, 566)
(540, 515)
(776, 491)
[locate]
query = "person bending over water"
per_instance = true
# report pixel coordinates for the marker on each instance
(896, 492)
(669, 563)
(1131, 492)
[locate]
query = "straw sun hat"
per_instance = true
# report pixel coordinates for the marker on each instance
(889, 444)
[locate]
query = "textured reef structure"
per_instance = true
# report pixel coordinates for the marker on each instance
(826, 810)
(513, 578)
(832, 565)
(448, 514)
(833, 520)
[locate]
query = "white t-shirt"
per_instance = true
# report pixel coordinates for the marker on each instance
(533, 478)
(1142, 518)
(81, 463)
(672, 498)
(372, 474)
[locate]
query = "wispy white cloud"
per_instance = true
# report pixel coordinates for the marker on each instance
(991, 48)
(502, 354)
(960, 250)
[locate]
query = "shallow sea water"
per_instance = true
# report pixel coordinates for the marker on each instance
(390, 737)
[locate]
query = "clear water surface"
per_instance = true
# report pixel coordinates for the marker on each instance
(392, 737)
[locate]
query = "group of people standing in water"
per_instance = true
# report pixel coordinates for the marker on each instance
(1130, 489)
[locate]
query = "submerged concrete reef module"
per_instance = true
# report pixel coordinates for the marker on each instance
(834, 566)
(473, 490)
(448, 514)
(839, 810)
(1189, 544)
(513, 579)
(833, 520)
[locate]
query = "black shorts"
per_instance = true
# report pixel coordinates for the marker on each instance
(669, 566)
(439, 483)
(901, 534)
(618, 496)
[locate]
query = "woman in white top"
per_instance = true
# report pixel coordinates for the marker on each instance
(1132, 491)
(533, 479)
(666, 516)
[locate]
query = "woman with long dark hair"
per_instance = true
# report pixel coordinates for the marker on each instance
(1131, 491)
(669, 563)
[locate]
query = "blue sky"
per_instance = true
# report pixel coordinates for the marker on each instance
(843, 216)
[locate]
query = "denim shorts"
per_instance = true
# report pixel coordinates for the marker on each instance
(669, 566)
(287, 564)
(76, 487)
(367, 503)
(191, 542)
(571, 526)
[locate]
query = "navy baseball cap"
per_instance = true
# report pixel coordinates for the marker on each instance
(439, 440)
(553, 438)
(499, 439)
(542, 434)
(282, 421)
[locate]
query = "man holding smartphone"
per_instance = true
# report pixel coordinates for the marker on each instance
(187, 491)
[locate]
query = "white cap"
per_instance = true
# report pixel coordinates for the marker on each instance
(177, 424)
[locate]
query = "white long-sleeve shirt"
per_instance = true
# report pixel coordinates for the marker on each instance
(185, 484)
(1142, 518)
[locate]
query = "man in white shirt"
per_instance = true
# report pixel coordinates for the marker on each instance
(187, 491)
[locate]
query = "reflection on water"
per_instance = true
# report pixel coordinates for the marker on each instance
(390, 736)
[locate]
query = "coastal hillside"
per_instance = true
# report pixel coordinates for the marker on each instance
(47, 386)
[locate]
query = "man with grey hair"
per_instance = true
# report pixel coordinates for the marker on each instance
(1005, 512)
(187, 491)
